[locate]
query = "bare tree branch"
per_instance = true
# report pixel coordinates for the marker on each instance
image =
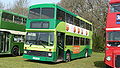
(1, 5)
(20, 6)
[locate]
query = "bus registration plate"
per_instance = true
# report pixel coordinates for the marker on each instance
(36, 58)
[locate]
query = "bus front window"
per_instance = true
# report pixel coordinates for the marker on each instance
(114, 38)
(40, 38)
(115, 7)
(41, 13)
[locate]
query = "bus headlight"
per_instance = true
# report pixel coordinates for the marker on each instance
(108, 45)
(49, 54)
(108, 58)
(25, 52)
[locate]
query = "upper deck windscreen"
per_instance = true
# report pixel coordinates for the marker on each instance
(41, 13)
(114, 35)
(115, 7)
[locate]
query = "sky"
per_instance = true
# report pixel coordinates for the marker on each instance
(32, 2)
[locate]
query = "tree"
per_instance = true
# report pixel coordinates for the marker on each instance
(1, 5)
(20, 7)
(94, 11)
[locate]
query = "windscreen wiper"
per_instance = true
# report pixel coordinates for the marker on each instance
(43, 44)
(30, 44)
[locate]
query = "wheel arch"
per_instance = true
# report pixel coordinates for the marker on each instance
(17, 47)
(68, 51)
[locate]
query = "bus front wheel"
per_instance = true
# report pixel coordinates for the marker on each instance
(15, 51)
(107, 66)
(86, 53)
(68, 57)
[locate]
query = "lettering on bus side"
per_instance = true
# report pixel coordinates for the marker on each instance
(76, 49)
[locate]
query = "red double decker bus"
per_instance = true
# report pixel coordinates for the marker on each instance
(112, 51)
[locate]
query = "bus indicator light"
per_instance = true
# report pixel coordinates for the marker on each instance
(118, 19)
(108, 58)
(50, 49)
(25, 47)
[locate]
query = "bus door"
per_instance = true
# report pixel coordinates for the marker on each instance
(60, 45)
(4, 42)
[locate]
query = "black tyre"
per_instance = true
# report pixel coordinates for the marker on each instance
(106, 66)
(68, 57)
(86, 54)
(15, 51)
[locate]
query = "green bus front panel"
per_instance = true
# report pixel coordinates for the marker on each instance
(40, 58)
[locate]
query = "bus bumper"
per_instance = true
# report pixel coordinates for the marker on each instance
(114, 62)
(39, 58)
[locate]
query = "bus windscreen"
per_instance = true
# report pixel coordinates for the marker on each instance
(114, 36)
(40, 38)
(41, 13)
(115, 7)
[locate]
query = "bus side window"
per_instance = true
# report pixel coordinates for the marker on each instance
(69, 40)
(82, 41)
(17, 19)
(87, 26)
(18, 38)
(90, 26)
(60, 15)
(7, 17)
(87, 41)
(82, 24)
(76, 22)
(24, 21)
(69, 18)
(76, 41)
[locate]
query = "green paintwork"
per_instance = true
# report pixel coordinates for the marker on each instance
(83, 19)
(12, 26)
(58, 26)
(53, 22)
(52, 59)
(51, 6)
(61, 27)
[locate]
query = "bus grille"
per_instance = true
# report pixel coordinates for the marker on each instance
(37, 53)
(117, 61)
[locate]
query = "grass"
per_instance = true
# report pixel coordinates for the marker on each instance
(95, 61)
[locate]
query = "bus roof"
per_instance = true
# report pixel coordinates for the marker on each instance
(114, 1)
(13, 13)
(51, 5)
(57, 6)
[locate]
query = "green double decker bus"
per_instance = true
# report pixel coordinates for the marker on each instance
(12, 32)
(55, 34)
